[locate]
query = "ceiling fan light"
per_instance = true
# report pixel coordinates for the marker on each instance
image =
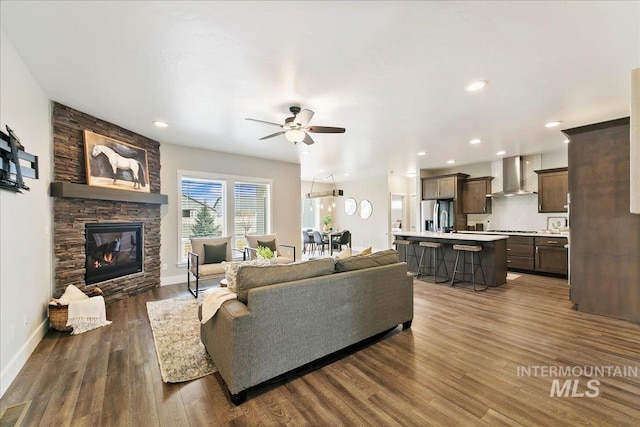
(294, 135)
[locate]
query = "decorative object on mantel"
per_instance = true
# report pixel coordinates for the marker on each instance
(115, 164)
(11, 152)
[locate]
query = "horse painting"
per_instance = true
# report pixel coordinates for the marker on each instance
(124, 163)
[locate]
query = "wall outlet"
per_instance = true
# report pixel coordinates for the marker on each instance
(165, 267)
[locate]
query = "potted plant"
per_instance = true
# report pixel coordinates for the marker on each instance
(327, 220)
(264, 253)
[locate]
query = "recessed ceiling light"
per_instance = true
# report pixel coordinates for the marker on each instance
(500, 153)
(160, 124)
(422, 153)
(475, 141)
(477, 85)
(347, 174)
(566, 141)
(451, 161)
(320, 170)
(552, 124)
(305, 152)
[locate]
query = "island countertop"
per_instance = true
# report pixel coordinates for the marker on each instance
(493, 255)
(452, 236)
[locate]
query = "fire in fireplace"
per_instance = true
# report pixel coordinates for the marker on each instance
(113, 250)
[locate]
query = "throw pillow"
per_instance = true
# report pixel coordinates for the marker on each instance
(366, 251)
(271, 244)
(214, 254)
(231, 270)
(343, 254)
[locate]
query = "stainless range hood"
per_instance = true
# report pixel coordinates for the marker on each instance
(512, 177)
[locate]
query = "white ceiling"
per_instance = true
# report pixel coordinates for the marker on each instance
(392, 73)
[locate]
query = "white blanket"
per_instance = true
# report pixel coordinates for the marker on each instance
(213, 299)
(87, 314)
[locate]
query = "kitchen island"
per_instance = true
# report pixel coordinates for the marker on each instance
(493, 255)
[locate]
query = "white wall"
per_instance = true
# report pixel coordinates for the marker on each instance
(366, 232)
(285, 196)
(635, 142)
(25, 219)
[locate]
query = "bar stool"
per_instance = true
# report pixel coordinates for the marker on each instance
(475, 252)
(436, 261)
(408, 244)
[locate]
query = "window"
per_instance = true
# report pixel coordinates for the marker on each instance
(219, 205)
(310, 213)
(251, 210)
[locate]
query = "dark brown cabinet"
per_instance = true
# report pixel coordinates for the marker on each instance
(553, 186)
(605, 235)
(442, 187)
(474, 195)
(551, 255)
(520, 253)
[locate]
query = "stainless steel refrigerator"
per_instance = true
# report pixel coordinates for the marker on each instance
(432, 217)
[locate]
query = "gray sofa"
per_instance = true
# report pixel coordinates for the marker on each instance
(289, 315)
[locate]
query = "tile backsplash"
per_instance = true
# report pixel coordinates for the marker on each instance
(514, 213)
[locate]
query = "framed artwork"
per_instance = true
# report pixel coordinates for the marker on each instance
(555, 223)
(366, 209)
(350, 206)
(115, 164)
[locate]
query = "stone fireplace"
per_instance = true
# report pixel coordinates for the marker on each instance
(77, 206)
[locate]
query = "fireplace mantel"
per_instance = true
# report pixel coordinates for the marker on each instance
(82, 191)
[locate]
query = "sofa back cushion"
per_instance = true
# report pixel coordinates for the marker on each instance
(359, 262)
(251, 276)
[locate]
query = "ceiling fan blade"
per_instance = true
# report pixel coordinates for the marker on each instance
(303, 117)
(307, 139)
(262, 121)
(324, 129)
(272, 135)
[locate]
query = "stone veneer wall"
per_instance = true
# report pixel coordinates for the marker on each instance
(70, 215)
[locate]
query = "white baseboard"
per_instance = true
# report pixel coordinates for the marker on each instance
(173, 280)
(11, 371)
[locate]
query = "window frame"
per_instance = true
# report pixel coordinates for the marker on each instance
(229, 182)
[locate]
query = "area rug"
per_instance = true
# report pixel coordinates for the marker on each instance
(176, 333)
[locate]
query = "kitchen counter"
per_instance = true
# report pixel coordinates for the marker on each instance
(466, 236)
(493, 255)
(503, 233)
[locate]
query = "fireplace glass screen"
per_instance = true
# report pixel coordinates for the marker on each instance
(113, 250)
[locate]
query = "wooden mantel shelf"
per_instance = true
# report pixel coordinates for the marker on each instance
(82, 191)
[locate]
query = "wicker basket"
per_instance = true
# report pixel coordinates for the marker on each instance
(59, 314)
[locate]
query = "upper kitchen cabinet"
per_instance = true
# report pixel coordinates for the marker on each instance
(474, 195)
(553, 186)
(442, 187)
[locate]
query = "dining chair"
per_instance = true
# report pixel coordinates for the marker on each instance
(318, 240)
(308, 242)
(344, 239)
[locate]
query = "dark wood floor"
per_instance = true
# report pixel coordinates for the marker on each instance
(457, 365)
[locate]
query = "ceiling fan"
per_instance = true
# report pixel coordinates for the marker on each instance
(296, 128)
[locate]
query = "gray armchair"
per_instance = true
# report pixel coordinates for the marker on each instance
(285, 253)
(196, 260)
